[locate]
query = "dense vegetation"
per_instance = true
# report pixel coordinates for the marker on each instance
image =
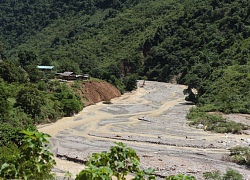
(230, 174)
(29, 159)
(203, 43)
(214, 122)
(240, 155)
(24, 105)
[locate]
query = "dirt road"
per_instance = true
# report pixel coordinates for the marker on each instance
(151, 120)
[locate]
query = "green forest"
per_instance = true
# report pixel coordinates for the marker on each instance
(204, 44)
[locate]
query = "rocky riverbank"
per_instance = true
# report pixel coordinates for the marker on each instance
(151, 120)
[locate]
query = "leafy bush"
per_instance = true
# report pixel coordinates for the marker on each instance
(95, 173)
(9, 134)
(213, 175)
(120, 161)
(240, 155)
(32, 160)
(230, 174)
(31, 100)
(214, 122)
(5, 104)
(180, 177)
(71, 106)
(8, 154)
(130, 82)
(233, 175)
(69, 102)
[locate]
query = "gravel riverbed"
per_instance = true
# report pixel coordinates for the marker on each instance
(151, 120)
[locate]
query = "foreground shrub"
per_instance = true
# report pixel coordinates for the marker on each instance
(180, 177)
(9, 134)
(232, 174)
(32, 160)
(120, 161)
(213, 175)
(240, 155)
(229, 175)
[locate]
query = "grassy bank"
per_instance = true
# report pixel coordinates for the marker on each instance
(214, 122)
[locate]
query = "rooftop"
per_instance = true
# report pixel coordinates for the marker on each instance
(65, 73)
(45, 67)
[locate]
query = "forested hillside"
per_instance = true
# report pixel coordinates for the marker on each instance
(203, 43)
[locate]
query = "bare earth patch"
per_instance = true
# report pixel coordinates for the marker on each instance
(240, 118)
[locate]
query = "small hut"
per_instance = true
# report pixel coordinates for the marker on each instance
(69, 76)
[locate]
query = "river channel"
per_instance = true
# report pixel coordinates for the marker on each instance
(151, 120)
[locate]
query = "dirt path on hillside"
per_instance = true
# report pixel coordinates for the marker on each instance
(151, 120)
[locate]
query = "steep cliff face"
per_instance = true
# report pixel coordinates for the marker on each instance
(94, 92)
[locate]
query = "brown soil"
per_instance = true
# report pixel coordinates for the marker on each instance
(93, 92)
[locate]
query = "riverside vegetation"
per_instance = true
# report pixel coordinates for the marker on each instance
(203, 44)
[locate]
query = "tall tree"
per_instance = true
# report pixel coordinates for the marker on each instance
(31, 100)
(27, 58)
(5, 104)
(11, 73)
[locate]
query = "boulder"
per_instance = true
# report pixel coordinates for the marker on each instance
(200, 126)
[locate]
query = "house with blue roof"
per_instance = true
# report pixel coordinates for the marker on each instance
(46, 69)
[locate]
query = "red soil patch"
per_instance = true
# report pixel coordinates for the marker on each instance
(94, 92)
